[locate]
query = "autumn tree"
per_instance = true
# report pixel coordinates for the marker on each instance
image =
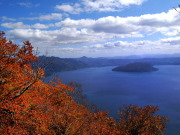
(16, 77)
(29, 106)
(134, 120)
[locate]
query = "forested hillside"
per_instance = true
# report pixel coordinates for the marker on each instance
(54, 64)
(28, 106)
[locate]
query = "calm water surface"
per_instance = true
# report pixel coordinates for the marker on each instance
(109, 90)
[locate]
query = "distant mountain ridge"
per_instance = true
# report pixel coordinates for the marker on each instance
(145, 56)
(56, 64)
(98, 62)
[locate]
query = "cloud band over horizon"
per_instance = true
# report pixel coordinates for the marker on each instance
(121, 35)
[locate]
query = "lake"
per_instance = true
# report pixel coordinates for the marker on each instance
(109, 90)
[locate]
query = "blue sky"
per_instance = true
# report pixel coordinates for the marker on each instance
(93, 28)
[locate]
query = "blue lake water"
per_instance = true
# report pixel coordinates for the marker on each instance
(109, 90)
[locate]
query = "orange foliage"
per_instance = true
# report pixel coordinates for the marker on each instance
(28, 106)
(135, 120)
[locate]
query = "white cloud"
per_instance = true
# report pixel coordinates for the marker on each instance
(89, 31)
(117, 48)
(15, 25)
(21, 25)
(131, 2)
(66, 8)
(75, 9)
(28, 4)
(109, 5)
(40, 26)
(53, 16)
(98, 5)
(30, 35)
(47, 17)
(61, 37)
(82, 23)
(112, 27)
(171, 41)
(5, 18)
(165, 23)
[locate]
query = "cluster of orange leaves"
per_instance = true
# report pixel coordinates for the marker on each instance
(28, 106)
